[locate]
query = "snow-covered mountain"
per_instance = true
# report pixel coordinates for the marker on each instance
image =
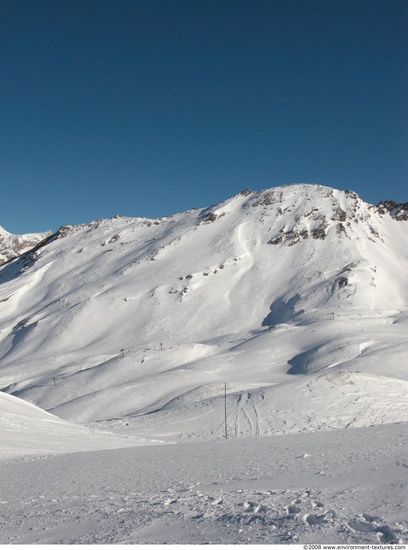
(12, 246)
(295, 297)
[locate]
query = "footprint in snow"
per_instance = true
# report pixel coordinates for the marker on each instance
(367, 524)
(386, 535)
(250, 506)
(319, 519)
(293, 509)
(317, 504)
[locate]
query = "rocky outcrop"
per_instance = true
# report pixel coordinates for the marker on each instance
(398, 210)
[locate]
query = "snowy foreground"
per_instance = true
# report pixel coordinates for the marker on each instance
(342, 486)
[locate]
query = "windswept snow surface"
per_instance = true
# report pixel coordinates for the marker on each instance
(343, 486)
(121, 334)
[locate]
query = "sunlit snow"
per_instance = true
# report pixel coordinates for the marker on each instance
(128, 331)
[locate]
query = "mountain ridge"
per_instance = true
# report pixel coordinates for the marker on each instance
(260, 290)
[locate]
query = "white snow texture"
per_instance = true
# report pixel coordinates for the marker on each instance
(119, 338)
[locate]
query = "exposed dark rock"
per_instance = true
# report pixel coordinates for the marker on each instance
(398, 210)
(339, 215)
(340, 229)
(320, 231)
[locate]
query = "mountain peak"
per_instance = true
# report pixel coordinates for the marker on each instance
(128, 316)
(12, 246)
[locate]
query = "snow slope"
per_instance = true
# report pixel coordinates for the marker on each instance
(26, 430)
(117, 338)
(295, 296)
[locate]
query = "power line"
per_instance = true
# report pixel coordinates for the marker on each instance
(225, 410)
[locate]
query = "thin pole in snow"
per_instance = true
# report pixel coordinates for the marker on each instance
(225, 410)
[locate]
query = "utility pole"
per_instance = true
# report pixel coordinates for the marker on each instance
(225, 410)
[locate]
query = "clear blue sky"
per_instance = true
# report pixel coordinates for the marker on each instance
(148, 107)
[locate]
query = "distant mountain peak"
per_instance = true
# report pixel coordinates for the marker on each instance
(12, 246)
